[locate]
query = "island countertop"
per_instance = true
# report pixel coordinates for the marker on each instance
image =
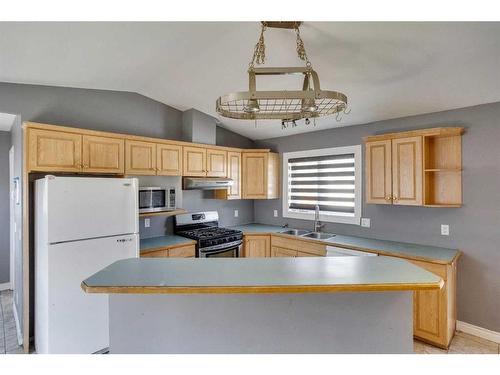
(382, 247)
(260, 275)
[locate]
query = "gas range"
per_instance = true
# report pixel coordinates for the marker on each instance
(212, 240)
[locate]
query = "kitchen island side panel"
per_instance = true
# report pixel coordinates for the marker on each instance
(371, 322)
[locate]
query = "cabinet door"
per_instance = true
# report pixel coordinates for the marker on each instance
(378, 172)
(282, 252)
(302, 254)
(194, 161)
(254, 175)
(216, 163)
(168, 160)
(430, 308)
(54, 151)
(407, 171)
(234, 173)
(103, 154)
(140, 158)
(257, 246)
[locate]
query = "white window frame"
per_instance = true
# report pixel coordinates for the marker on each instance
(356, 150)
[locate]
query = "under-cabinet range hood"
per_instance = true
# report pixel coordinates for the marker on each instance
(206, 183)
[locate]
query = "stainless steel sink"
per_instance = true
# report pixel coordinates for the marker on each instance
(318, 235)
(295, 232)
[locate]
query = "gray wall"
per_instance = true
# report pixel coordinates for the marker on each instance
(121, 112)
(474, 228)
(4, 208)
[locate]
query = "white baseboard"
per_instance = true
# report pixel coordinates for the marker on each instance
(478, 331)
(18, 327)
(5, 286)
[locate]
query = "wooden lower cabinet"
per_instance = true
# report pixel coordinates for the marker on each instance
(282, 252)
(184, 251)
(257, 246)
(434, 311)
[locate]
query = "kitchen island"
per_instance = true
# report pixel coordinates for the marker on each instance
(279, 305)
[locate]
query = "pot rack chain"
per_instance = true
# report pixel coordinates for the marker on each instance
(259, 52)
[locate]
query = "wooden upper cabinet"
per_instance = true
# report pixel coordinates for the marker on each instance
(54, 151)
(415, 168)
(234, 173)
(103, 154)
(168, 160)
(260, 175)
(216, 163)
(254, 175)
(194, 161)
(407, 171)
(379, 172)
(257, 246)
(140, 158)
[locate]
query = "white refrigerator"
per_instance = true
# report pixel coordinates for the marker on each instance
(81, 226)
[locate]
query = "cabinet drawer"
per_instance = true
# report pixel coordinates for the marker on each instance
(313, 248)
(156, 254)
(282, 252)
(187, 251)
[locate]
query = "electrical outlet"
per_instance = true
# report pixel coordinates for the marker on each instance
(236, 213)
(365, 222)
(147, 223)
(445, 230)
(275, 213)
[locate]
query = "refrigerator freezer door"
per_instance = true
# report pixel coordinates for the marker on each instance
(78, 322)
(81, 208)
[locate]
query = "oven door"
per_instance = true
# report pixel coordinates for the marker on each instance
(231, 252)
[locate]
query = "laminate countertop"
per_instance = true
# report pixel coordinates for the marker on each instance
(260, 275)
(383, 247)
(171, 240)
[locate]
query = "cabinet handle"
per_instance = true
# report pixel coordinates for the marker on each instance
(388, 198)
(85, 166)
(395, 198)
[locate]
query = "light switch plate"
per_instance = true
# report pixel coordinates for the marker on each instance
(275, 213)
(365, 222)
(236, 213)
(147, 223)
(445, 230)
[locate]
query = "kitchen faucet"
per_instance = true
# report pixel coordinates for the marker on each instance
(317, 224)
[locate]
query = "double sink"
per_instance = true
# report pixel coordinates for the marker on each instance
(308, 234)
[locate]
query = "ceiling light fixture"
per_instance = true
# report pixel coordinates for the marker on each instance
(285, 105)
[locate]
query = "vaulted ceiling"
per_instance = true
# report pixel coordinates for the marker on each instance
(387, 70)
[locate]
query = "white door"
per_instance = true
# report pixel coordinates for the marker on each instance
(81, 208)
(78, 321)
(13, 189)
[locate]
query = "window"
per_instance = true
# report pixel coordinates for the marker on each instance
(329, 178)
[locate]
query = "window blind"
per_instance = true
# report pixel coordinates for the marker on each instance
(327, 181)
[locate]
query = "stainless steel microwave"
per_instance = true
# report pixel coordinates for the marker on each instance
(155, 199)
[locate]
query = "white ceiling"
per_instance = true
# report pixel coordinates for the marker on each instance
(388, 70)
(6, 121)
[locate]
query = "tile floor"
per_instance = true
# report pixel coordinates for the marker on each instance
(462, 343)
(8, 334)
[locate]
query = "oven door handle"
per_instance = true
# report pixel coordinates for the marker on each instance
(224, 250)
